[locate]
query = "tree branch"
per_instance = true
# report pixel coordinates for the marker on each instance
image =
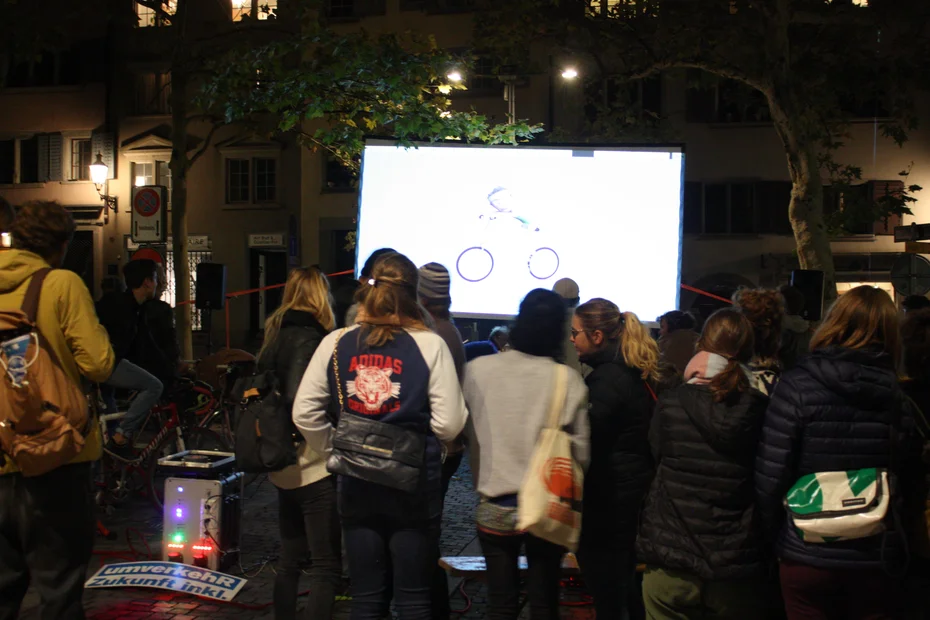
(206, 143)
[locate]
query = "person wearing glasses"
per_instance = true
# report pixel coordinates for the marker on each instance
(621, 386)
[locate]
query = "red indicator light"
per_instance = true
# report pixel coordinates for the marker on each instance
(206, 548)
(176, 546)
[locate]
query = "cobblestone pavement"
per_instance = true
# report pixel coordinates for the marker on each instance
(260, 547)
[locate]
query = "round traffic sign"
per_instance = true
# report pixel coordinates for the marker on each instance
(910, 275)
(147, 202)
(149, 253)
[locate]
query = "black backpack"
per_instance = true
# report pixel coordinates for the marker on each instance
(265, 434)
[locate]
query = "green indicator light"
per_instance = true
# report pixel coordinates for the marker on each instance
(178, 538)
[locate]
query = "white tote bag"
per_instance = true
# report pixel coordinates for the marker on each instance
(549, 502)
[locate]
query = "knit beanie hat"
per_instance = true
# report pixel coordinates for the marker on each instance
(434, 284)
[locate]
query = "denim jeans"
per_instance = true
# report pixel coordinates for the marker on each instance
(128, 376)
(390, 538)
(501, 554)
(46, 538)
(309, 523)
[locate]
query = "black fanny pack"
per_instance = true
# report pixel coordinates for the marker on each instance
(375, 451)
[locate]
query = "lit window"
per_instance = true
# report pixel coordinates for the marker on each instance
(81, 159)
(148, 16)
(265, 9)
(143, 174)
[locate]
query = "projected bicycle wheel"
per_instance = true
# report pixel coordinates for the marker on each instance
(474, 264)
(543, 263)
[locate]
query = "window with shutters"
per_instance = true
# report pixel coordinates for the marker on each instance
(103, 144)
(30, 160)
(81, 159)
(152, 94)
(737, 208)
(852, 208)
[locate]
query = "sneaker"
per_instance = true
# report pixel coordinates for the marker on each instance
(122, 451)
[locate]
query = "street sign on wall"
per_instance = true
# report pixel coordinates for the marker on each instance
(149, 214)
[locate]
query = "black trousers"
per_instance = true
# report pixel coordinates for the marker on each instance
(47, 529)
(501, 554)
(608, 566)
(308, 522)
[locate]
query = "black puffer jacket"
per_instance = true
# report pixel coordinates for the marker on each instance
(834, 412)
(621, 465)
(291, 352)
(700, 515)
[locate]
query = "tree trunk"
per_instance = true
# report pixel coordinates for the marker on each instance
(179, 166)
(806, 208)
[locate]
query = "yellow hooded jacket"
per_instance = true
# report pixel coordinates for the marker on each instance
(68, 321)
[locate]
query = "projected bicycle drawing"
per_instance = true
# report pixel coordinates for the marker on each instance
(476, 263)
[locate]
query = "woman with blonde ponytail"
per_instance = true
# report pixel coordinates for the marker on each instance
(700, 537)
(625, 363)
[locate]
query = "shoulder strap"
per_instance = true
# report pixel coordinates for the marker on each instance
(558, 396)
(336, 371)
(651, 391)
(30, 305)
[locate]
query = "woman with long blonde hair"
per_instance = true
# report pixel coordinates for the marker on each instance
(308, 519)
(393, 381)
(840, 410)
(625, 362)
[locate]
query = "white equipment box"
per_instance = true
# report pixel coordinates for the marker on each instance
(202, 510)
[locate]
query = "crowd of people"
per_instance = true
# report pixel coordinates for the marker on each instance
(690, 444)
(711, 457)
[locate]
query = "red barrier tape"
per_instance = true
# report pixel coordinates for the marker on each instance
(250, 291)
(705, 293)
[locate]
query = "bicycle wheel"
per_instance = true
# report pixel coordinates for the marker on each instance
(474, 264)
(194, 439)
(543, 263)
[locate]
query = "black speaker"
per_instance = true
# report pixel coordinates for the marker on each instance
(810, 283)
(210, 293)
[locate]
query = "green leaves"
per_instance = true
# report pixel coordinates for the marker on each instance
(335, 89)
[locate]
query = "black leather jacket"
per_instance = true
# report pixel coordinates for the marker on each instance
(291, 351)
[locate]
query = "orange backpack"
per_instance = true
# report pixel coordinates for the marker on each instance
(45, 413)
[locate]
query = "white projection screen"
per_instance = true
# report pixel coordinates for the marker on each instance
(507, 220)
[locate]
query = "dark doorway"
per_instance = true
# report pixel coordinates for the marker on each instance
(80, 257)
(267, 268)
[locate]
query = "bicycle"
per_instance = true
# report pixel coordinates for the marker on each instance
(121, 479)
(479, 262)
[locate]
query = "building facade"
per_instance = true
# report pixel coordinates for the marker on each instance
(259, 205)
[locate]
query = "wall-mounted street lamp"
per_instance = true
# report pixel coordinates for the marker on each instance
(98, 174)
